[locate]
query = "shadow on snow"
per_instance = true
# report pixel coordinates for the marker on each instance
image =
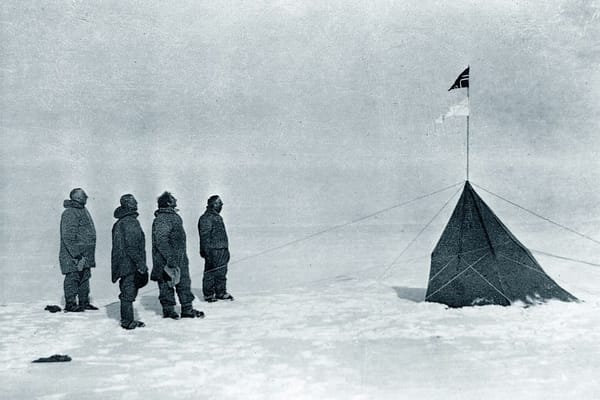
(416, 295)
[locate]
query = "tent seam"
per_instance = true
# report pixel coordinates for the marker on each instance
(489, 283)
(457, 275)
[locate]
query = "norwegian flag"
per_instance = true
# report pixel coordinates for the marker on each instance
(462, 81)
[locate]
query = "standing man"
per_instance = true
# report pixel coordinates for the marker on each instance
(77, 251)
(214, 248)
(170, 262)
(128, 257)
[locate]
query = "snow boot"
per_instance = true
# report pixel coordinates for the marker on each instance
(210, 299)
(190, 312)
(132, 325)
(225, 296)
(169, 312)
(89, 306)
(129, 325)
(72, 307)
(126, 314)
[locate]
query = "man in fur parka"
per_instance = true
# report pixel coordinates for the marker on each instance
(77, 251)
(214, 248)
(170, 264)
(128, 258)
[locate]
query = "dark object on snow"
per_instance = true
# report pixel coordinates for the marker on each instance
(54, 358)
(52, 308)
(478, 261)
(89, 306)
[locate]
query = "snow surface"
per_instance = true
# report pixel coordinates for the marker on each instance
(343, 339)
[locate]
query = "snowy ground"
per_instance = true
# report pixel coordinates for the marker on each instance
(310, 322)
(348, 339)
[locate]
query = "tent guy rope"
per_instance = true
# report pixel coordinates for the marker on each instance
(342, 225)
(295, 241)
(565, 258)
(538, 215)
(388, 268)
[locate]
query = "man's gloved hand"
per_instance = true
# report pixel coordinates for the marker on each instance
(142, 269)
(174, 275)
(141, 276)
(166, 276)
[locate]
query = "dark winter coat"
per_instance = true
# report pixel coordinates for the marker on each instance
(211, 230)
(128, 245)
(77, 237)
(168, 242)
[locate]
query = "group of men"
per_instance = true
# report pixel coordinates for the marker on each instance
(170, 263)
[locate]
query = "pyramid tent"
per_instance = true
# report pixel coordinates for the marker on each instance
(479, 261)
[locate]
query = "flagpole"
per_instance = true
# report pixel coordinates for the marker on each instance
(469, 108)
(462, 82)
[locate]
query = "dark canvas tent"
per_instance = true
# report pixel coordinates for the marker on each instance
(479, 261)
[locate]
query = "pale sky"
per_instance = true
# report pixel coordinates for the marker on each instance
(307, 112)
